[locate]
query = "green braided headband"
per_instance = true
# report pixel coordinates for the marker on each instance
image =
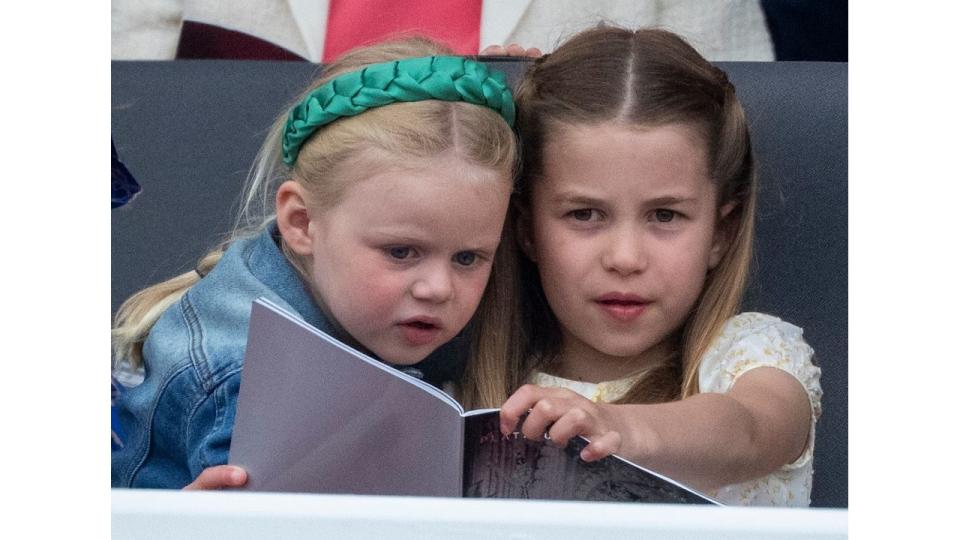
(447, 78)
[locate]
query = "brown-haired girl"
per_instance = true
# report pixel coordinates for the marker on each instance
(636, 217)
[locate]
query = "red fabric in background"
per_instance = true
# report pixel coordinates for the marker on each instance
(351, 23)
(201, 40)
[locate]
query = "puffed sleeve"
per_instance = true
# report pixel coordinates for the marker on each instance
(752, 340)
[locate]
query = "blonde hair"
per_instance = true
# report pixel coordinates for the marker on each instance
(326, 166)
(645, 77)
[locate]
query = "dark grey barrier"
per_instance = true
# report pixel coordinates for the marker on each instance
(188, 131)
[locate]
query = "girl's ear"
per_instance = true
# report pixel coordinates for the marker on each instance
(722, 235)
(293, 219)
(525, 233)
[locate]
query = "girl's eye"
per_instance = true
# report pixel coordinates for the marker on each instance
(583, 214)
(664, 216)
(465, 258)
(400, 252)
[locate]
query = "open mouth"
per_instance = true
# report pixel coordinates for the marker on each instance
(420, 331)
(421, 325)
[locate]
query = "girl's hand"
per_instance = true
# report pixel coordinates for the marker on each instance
(563, 414)
(219, 477)
(511, 50)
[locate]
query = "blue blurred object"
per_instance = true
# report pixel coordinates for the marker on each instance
(123, 187)
(116, 433)
(122, 184)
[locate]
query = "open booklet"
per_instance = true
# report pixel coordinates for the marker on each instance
(315, 415)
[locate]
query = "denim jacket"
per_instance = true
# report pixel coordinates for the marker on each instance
(179, 421)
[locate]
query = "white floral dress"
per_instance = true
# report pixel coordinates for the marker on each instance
(747, 341)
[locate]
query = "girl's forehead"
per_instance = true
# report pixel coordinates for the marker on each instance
(609, 147)
(374, 162)
(611, 160)
(601, 134)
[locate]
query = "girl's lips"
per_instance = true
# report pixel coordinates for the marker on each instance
(622, 307)
(626, 298)
(420, 330)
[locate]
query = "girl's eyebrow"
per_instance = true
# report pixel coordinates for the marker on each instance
(576, 198)
(669, 200)
(579, 199)
(430, 239)
(392, 236)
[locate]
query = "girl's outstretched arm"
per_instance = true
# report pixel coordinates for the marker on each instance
(707, 440)
(219, 477)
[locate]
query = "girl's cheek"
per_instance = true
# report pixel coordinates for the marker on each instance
(378, 291)
(474, 291)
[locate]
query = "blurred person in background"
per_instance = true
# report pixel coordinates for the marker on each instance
(318, 30)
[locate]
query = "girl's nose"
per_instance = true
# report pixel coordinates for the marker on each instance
(434, 285)
(625, 252)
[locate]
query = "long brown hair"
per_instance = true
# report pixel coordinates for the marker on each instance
(642, 78)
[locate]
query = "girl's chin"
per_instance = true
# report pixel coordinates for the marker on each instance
(628, 350)
(413, 356)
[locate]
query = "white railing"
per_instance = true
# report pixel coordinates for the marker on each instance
(147, 514)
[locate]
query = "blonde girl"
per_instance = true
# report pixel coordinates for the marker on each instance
(374, 212)
(636, 219)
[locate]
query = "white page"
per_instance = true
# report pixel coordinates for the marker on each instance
(314, 415)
